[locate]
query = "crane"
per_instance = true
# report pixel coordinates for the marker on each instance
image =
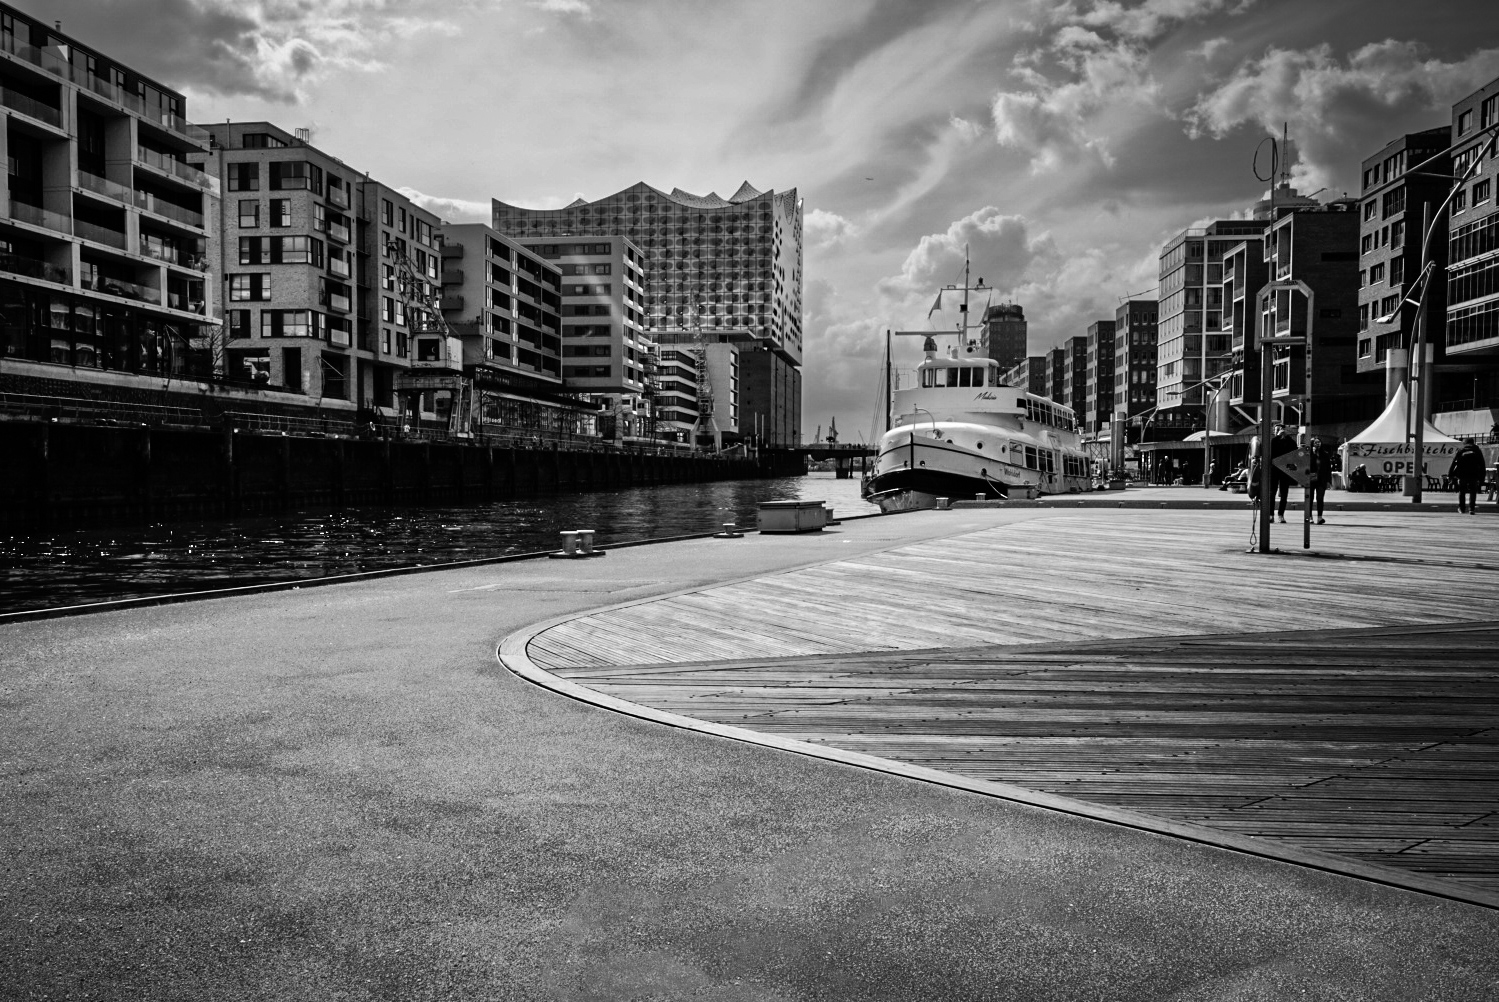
(437, 352)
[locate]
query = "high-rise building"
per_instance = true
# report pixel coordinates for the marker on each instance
(1100, 391)
(730, 264)
(1030, 373)
(1191, 344)
(1468, 392)
(1075, 376)
(1318, 383)
(1134, 357)
(1005, 334)
(1056, 375)
(1244, 274)
(1389, 244)
(103, 263)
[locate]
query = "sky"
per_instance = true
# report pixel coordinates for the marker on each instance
(1060, 142)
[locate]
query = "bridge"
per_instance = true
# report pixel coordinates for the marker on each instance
(843, 455)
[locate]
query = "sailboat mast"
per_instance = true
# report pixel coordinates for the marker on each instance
(889, 389)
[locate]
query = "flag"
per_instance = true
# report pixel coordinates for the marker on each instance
(937, 305)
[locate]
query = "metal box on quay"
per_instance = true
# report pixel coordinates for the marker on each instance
(791, 516)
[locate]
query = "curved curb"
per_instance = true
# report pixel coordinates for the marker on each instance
(512, 654)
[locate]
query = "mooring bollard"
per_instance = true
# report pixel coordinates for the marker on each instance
(981, 497)
(943, 504)
(730, 531)
(569, 543)
(585, 541)
(576, 544)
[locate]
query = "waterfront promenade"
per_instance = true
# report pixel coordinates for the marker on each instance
(338, 793)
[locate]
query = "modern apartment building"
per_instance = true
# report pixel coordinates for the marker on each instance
(1245, 273)
(1100, 392)
(1005, 333)
(606, 353)
(1135, 357)
(1467, 390)
(1056, 374)
(1075, 377)
(1319, 384)
(1191, 344)
(1030, 373)
(1394, 203)
(730, 264)
(104, 275)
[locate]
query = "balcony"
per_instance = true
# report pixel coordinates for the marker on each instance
(105, 187)
(452, 276)
(17, 264)
(123, 289)
(338, 197)
(31, 107)
(35, 56)
(24, 212)
(339, 232)
(192, 259)
(176, 168)
(452, 301)
(452, 251)
(339, 266)
(341, 303)
(177, 301)
(99, 234)
(150, 203)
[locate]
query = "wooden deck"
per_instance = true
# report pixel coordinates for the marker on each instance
(1131, 659)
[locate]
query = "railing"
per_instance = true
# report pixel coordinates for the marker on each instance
(105, 187)
(179, 301)
(173, 255)
(340, 303)
(160, 206)
(17, 264)
(339, 197)
(338, 338)
(176, 168)
(37, 216)
(125, 290)
(339, 232)
(99, 234)
(30, 106)
(36, 56)
(98, 411)
(339, 267)
(318, 427)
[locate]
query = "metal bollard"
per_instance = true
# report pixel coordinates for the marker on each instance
(730, 531)
(981, 497)
(585, 541)
(943, 504)
(569, 543)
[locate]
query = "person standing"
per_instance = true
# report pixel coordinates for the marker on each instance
(1323, 457)
(1468, 468)
(1280, 444)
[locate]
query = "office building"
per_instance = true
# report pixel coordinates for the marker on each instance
(1030, 373)
(1134, 357)
(1245, 273)
(1191, 344)
(1075, 377)
(105, 280)
(730, 264)
(1100, 379)
(1466, 391)
(1005, 334)
(1319, 384)
(1056, 375)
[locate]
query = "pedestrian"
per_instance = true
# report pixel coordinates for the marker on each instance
(1212, 473)
(1468, 469)
(1323, 456)
(1280, 444)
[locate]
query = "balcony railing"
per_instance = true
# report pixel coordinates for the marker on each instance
(339, 302)
(99, 234)
(37, 216)
(339, 197)
(339, 232)
(17, 264)
(149, 202)
(126, 290)
(339, 267)
(185, 172)
(36, 56)
(105, 187)
(178, 301)
(30, 106)
(193, 259)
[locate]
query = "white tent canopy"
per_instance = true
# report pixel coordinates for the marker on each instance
(1198, 436)
(1382, 448)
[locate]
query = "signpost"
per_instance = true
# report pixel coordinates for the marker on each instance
(1267, 346)
(1301, 466)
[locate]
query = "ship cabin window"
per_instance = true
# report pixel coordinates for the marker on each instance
(952, 375)
(1040, 459)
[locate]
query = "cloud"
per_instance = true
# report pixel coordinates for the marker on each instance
(452, 210)
(822, 229)
(577, 7)
(1145, 21)
(1339, 111)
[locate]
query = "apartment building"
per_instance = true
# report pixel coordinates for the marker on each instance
(1135, 357)
(1075, 377)
(105, 278)
(1245, 273)
(1394, 203)
(1318, 383)
(1191, 344)
(1030, 373)
(1100, 377)
(729, 264)
(1467, 388)
(676, 408)
(1005, 333)
(1056, 374)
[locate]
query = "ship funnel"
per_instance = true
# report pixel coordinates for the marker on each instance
(930, 348)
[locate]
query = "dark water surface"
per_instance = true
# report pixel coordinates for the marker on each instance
(68, 568)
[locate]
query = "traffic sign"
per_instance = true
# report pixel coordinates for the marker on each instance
(1296, 465)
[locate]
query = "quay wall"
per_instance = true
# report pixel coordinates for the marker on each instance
(60, 474)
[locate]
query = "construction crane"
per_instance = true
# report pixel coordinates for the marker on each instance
(436, 351)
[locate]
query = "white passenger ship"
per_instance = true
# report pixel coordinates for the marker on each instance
(958, 432)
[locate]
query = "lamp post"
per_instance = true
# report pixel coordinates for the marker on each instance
(1267, 392)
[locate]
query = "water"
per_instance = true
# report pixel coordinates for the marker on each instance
(68, 568)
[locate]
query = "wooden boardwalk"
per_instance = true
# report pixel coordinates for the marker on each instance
(1130, 659)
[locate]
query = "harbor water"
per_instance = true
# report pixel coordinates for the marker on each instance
(40, 571)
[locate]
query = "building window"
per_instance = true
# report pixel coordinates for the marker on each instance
(387, 212)
(244, 177)
(1460, 200)
(280, 215)
(1465, 122)
(1376, 274)
(250, 250)
(249, 213)
(1397, 270)
(249, 288)
(239, 323)
(1481, 191)
(287, 323)
(289, 174)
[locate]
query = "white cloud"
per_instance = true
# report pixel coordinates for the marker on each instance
(577, 7)
(452, 210)
(822, 229)
(1339, 111)
(1147, 20)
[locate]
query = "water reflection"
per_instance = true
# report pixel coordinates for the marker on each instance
(41, 571)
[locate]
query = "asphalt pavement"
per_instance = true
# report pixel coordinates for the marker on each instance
(337, 793)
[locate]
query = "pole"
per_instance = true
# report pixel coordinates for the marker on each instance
(1418, 366)
(1267, 393)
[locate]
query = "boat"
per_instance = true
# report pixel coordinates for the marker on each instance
(956, 431)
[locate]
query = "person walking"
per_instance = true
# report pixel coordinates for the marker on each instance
(1468, 468)
(1280, 444)
(1323, 457)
